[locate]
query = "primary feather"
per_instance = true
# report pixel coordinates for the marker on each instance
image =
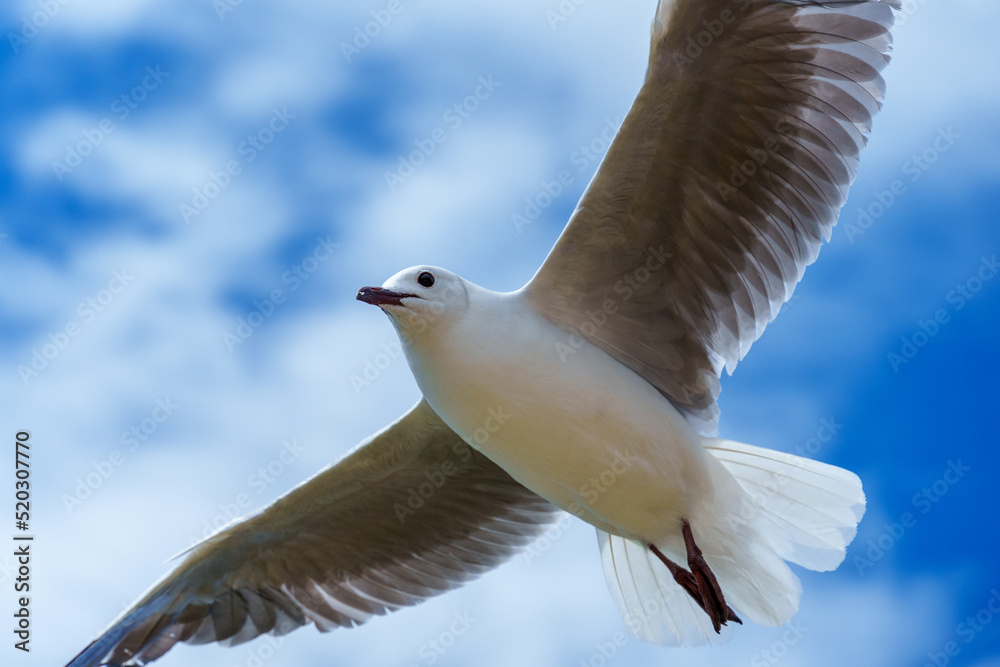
(727, 175)
(358, 539)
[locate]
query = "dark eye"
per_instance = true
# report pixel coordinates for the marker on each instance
(426, 279)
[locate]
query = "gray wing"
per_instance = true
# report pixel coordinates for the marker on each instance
(726, 176)
(412, 512)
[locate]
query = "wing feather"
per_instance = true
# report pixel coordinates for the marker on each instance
(351, 543)
(727, 175)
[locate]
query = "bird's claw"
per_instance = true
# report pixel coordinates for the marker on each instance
(700, 582)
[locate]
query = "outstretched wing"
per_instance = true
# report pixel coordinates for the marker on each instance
(726, 176)
(412, 512)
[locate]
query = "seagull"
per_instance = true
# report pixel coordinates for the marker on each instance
(592, 389)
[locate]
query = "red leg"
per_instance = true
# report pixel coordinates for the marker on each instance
(700, 582)
(711, 593)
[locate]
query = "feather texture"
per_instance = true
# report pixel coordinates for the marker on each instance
(348, 544)
(724, 180)
(782, 507)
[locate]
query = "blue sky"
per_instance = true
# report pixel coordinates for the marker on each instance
(168, 168)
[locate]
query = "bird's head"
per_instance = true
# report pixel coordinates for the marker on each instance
(420, 299)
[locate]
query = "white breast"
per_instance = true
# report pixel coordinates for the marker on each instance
(564, 419)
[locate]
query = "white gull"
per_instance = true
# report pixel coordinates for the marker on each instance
(593, 388)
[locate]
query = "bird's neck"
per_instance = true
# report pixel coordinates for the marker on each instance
(465, 363)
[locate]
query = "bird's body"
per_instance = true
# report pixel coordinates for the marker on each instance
(560, 415)
(576, 426)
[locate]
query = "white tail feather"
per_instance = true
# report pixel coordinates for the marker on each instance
(810, 510)
(654, 607)
(784, 507)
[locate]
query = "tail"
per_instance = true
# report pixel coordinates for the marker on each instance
(770, 507)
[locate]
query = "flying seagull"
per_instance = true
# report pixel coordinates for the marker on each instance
(593, 388)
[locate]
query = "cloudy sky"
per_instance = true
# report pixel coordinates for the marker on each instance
(192, 192)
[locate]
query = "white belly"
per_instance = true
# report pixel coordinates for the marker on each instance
(578, 428)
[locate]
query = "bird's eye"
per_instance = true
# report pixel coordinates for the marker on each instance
(426, 279)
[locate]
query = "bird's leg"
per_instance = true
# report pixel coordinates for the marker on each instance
(681, 576)
(711, 593)
(698, 587)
